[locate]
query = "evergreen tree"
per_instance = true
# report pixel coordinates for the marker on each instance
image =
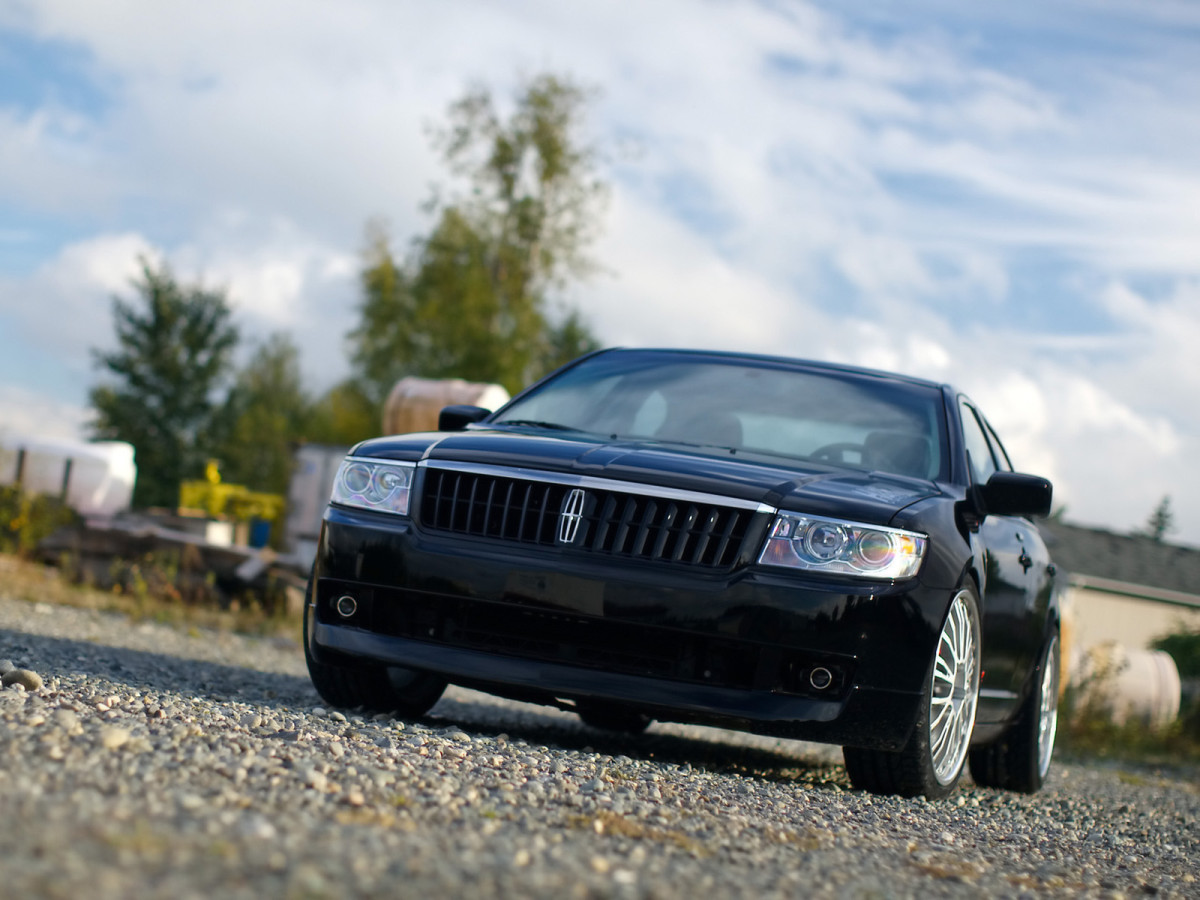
(1161, 521)
(266, 413)
(174, 347)
(344, 416)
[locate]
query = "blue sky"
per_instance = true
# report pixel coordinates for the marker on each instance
(1006, 197)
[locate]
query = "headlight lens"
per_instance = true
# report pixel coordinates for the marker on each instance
(373, 484)
(844, 548)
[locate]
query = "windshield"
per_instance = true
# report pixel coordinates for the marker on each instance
(746, 406)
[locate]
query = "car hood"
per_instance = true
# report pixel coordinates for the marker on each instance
(872, 497)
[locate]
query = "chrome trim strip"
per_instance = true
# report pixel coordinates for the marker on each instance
(599, 484)
(381, 460)
(996, 694)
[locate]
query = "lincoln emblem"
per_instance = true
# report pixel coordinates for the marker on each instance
(570, 517)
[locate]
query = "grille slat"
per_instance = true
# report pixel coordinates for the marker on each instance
(643, 532)
(471, 504)
(664, 531)
(507, 508)
(726, 535)
(615, 523)
(705, 536)
(524, 511)
(454, 501)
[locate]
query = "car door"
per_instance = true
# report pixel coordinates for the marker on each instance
(1034, 559)
(1006, 546)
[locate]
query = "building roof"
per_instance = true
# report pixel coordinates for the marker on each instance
(1097, 554)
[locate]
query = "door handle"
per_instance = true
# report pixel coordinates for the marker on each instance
(1025, 560)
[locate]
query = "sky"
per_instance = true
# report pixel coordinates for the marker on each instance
(1005, 197)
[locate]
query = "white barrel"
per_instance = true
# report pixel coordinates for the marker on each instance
(1133, 685)
(98, 477)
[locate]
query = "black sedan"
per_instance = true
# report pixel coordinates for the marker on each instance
(779, 546)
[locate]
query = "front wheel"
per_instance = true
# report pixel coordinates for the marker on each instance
(931, 762)
(405, 692)
(1019, 759)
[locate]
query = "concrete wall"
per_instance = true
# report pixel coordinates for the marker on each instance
(1096, 617)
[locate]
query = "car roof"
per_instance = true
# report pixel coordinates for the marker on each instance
(782, 362)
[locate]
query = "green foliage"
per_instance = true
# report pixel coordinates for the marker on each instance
(26, 519)
(174, 347)
(1184, 648)
(472, 300)
(158, 584)
(344, 416)
(1088, 732)
(230, 501)
(1087, 727)
(266, 412)
(1160, 523)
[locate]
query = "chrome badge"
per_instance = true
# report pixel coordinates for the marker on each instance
(571, 516)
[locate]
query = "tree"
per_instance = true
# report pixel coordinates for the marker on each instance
(266, 412)
(472, 299)
(345, 415)
(174, 348)
(1161, 521)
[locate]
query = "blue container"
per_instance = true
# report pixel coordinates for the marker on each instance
(260, 532)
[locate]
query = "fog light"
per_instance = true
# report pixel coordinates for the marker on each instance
(346, 606)
(820, 678)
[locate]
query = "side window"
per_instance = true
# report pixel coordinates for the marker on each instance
(1005, 461)
(979, 452)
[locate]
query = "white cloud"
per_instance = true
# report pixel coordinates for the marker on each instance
(673, 291)
(65, 305)
(805, 185)
(30, 413)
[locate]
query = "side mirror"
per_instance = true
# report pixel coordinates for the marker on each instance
(1014, 494)
(456, 418)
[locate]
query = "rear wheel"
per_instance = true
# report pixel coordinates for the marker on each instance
(1019, 759)
(612, 717)
(931, 762)
(406, 692)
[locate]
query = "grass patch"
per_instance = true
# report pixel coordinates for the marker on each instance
(1087, 727)
(1100, 738)
(26, 519)
(1087, 730)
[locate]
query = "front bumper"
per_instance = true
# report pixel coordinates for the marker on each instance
(735, 648)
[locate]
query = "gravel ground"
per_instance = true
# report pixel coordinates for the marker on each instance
(160, 762)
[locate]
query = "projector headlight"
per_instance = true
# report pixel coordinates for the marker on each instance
(379, 485)
(818, 544)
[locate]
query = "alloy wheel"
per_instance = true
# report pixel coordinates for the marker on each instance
(1048, 709)
(954, 691)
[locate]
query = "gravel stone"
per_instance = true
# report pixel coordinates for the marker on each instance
(157, 762)
(112, 737)
(30, 681)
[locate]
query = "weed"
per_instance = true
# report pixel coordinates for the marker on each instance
(148, 590)
(26, 519)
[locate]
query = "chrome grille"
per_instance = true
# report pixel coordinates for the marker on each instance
(614, 523)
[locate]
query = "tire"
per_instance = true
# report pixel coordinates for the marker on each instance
(932, 760)
(406, 692)
(1019, 759)
(612, 717)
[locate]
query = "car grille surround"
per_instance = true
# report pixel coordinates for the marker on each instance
(595, 520)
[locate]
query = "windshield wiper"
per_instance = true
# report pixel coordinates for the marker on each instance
(535, 423)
